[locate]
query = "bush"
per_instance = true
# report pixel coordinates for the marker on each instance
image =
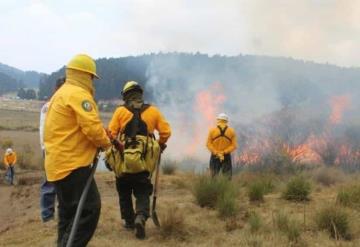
(262, 186)
(7, 144)
(226, 203)
(334, 220)
(254, 222)
(173, 225)
(256, 192)
(217, 193)
(169, 167)
(25, 157)
(328, 176)
(287, 226)
(349, 196)
(297, 189)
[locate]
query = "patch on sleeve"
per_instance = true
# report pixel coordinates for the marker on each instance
(86, 105)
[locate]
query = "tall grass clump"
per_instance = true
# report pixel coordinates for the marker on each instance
(173, 225)
(349, 196)
(260, 187)
(289, 227)
(334, 220)
(297, 189)
(328, 176)
(169, 167)
(218, 193)
(254, 221)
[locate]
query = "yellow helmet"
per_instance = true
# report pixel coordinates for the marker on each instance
(83, 62)
(131, 85)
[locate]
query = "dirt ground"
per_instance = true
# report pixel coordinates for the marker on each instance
(21, 224)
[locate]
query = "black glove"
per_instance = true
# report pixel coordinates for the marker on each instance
(163, 146)
(108, 166)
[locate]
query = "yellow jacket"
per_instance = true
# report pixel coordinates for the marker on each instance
(151, 116)
(73, 130)
(217, 144)
(10, 159)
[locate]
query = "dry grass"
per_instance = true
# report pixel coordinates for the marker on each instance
(328, 176)
(173, 224)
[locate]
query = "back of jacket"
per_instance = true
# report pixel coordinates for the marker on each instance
(221, 144)
(73, 129)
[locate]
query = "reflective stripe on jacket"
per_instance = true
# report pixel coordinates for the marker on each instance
(73, 130)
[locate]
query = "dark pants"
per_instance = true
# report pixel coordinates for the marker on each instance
(68, 191)
(47, 200)
(140, 185)
(225, 166)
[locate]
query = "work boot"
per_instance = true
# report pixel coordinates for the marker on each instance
(140, 227)
(129, 225)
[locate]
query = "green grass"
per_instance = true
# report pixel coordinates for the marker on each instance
(297, 189)
(349, 196)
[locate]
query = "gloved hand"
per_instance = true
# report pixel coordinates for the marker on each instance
(108, 133)
(118, 145)
(220, 155)
(163, 146)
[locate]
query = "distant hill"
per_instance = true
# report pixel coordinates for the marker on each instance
(7, 84)
(28, 79)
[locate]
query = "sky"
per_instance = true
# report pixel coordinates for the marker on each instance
(43, 35)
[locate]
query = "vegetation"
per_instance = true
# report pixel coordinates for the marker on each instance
(334, 220)
(297, 189)
(289, 227)
(169, 167)
(173, 224)
(255, 221)
(349, 196)
(328, 176)
(217, 193)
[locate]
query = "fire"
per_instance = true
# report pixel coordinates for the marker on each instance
(338, 105)
(208, 102)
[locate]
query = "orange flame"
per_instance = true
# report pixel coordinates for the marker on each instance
(338, 105)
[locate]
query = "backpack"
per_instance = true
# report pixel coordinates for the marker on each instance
(222, 133)
(141, 150)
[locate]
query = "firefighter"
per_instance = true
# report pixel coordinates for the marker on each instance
(10, 161)
(135, 123)
(73, 132)
(47, 189)
(221, 142)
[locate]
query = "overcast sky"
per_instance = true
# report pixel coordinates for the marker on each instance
(43, 35)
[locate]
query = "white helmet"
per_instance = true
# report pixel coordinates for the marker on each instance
(222, 116)
(9, 151)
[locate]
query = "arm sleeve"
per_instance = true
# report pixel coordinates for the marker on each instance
(163, 127)
(209, 144)
(233, 144)
(114, 125)
(87, 117)
(6, 163)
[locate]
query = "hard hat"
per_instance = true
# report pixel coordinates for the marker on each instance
(83, 62)
(130, 86)
(222, 116)
(9, 151)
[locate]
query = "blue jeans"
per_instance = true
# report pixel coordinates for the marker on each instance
(9, 176)
(47, 200)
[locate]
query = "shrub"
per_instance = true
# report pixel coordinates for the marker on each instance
(349, 196)
(254, 221)
(328, 176)
(226, 203)
(25, 156)
(334, 220)
(297, 189)
(217, 193)
(289, 227)
(169, 167)
(173, 225)
(256, 192)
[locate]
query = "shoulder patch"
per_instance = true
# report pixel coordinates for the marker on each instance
(86, 105)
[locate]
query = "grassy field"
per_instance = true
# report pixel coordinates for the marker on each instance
(184, 222)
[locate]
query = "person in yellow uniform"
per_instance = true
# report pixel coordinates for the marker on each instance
(72, 134)
(221, 142)
(9, 162)
(131, 120)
